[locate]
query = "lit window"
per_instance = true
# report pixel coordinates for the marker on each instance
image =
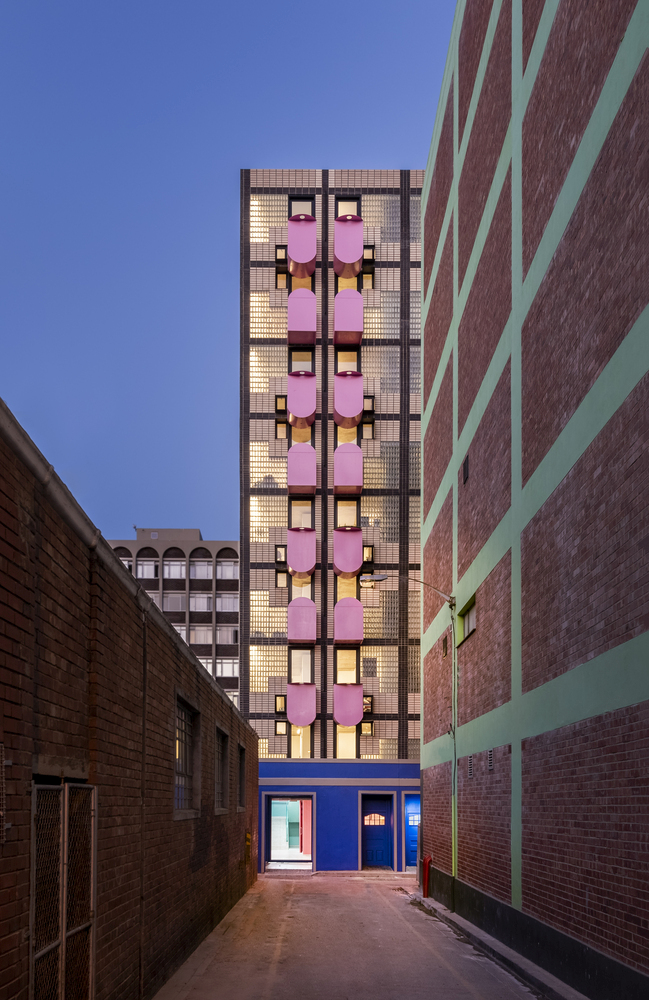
(227, 569)
(346, 435)
(301, 283)
(174, 602)
(347, 208)
(347, 361)
(344, 283)
(368, 281)
(227, 636)
(347, 513)
(281, 430)
(300, 666)
(281, 727)
(301, 361)
(346, 666)
(368, 253)
(200, 569)
(280, 553)
(300, 207)
(301, 513)
(301, 435)
(200, 635)
(368, 431)
(226, 667)
(300, 741)
(367, 729)
(147, 569)
(301, 588)
(368, 553)
(345, 588)
(182, 631)
(374, 819)
(200, 602)
(368, 404)
(281, 578)
(414, 819)
(280, 254)
(345, 742)
(280, 702)
(280, 404)
(281, 280)
(367, 704)
(173, 569)
(227, 602)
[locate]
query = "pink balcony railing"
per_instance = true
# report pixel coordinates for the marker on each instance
(301, 704)
(348, 317)
(302, 316)
(348, 551)
(348, 246)
(348, 398)
(348, 621)
(300, 551)
(301, 398)
(348, 470)
(302, 245)
(302, 469)
(302, 620)
(348, 704)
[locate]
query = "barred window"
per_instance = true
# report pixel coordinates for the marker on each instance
(266, 622)
(383, 210)
(266, 210)
(185, 725)
(382, 663)
(415, 315)
(266, 361)
(265, 662)
(382, 363)
(414, 465)
(414, 672)
(382, 471)
(264, 320)
(415, 370)
(265, 513)
(242, 777)
(381, 513)
(415, 218)
(221, 770)
(380, 323)
(414, 516)
(266, 472)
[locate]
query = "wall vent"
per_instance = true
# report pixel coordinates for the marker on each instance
(471, 765)
(490, 758)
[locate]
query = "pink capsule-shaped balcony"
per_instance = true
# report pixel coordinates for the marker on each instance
(302, 469)
(302, 245)
(348, 317)
(302, 620)
(348, 621)
(348, 704)
(301, 398)
(301, 704)
(348, 470)
(348, 551)
(300, 551)
(348, 398)
(302, 316)
(348, 245)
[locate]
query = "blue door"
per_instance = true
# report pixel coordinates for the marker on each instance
(376, 836)
(412, 823)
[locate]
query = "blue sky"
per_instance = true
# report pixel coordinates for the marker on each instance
(124, 126)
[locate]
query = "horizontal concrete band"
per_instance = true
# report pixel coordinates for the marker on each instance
(357, 782)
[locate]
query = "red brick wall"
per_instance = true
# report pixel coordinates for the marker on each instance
(532, 10)
(471, 42)
(597, 284)
(72, 641)
(488, 305)
(484, 823)
(489, 476)
(438, 440)
(438, 560)
(585, 822)
(583, 42)
(484, 659)
(440, 188)
(487, 136)
(436, 815)
(585, 587)
(438, 670)
(440, 314)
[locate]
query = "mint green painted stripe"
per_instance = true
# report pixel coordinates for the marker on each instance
(437, 752)
(479, 79)
(449, 69)
(537, 50)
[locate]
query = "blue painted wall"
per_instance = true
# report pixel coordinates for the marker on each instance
(336, 805)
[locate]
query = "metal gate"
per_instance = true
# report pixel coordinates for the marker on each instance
(63, 892)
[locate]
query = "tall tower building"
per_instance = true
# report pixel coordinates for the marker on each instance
(330, 511)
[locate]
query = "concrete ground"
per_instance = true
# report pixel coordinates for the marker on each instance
(352, 937)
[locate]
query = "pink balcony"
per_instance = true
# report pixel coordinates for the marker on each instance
(348, 622)
(348, 246)
(348, 551)
(348, 470)
(302, 245)
(348, 317)
(302, 316)
(302, 469)
(301, 399)
(348, 704)
(300, 551)
(302, 620)
(348, 398)
(300, 704)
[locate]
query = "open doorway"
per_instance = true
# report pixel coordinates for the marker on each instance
(291, 833)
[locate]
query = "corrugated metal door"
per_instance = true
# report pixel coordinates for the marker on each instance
(63, 891)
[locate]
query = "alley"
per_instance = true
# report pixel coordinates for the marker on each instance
(336, 937)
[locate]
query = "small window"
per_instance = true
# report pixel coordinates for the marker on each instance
(368, 253)
(346, 514)
(147, 569)
(280, 553)
(368, 553)
(226, 666)
(301, 361)
(281, 727)
(300, 206)
(200, 602)
(227, 602)
(302, 435)
(281, 280)
(414, 819)
(301, 514)
(173, 569)
(200, 635)
(182, 631)
(346, 742)
(301, 663)
(280, 254)
(468, 621)
(368, 279)
(221, 770)
(368, 404)
(347, 361)
(280, 404)
(186, 720)
(174, 602)
(281, 578)
(280, 704)
(200, 569)
(374, 819)
(445, 646)
(347, 207)
(242, 778)
(346, 435)
(300, 742)
(227, 569)
(281, 430)
(367, 729)
(346, 666)
(227, 636)
(368, 432)
(367, 704)
(302, 588)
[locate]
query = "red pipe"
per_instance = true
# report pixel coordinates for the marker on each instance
(424, 887)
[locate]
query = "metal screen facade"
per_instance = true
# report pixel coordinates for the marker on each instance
(389, 359)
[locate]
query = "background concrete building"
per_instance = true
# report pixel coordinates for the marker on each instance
(128, 779)
(535, 481)
(330, 459)
(196, 585)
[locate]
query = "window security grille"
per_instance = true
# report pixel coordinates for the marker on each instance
(221, 770)
(184, 756)
(63, 892)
